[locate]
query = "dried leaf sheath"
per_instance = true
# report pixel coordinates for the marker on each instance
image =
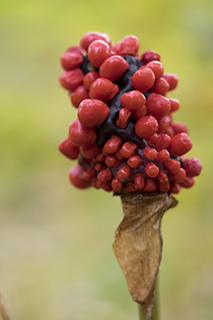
(138, 244)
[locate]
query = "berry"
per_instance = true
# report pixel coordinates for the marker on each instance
(139, 181)
(163, 155)
(116, 185)
(89, 37)
(68, 149)
(112, 161)
(160, 86)
(78, 95)
(123, 173)
(179, 127)
(81, 135)
(156, 67)
(188, 183)
(192, 166)
(172, 79)
(134, 162)
(180, 144)
(128, 45)
(175, 104)
(162, 142)
(139, 113)
(76, 178)
(150, 153)
(112, 145)
(128, 149)
(149, 56)
(157, 105)
(98, 51)
(150, 186)
(89, 78)
(180, 176)
(113, 68)
(143, 79)
(123, 118)
(70, 61)
(146, 126)
(90, 151)
(105, 175)
(92, 112)
(151, 170)
(172, 165)
(103, 89)
(175, 187)
(89, 175)
(70, 80)
(133, 100)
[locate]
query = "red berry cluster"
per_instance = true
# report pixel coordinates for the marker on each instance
(124, 136)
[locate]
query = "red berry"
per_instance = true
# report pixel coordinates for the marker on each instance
(139, 113)
(123, 118)
(180, 176)
(150, 153)
(98, 52)
(164, 123)
(103, 89)
(111, 161)
(89, 37)
(92, 112)
(119, 155)
(130, 188)
(81, 135)
(150, 185)
(143, 79)
(188, 183)
(128, 149)
(163, 155)
(129, 45)
(68, 149)
(150, 55)
(89, 174)
(76, 178)
(139, 181)
(175, 104)
(89, 78)
(116, 185)
(113, 68)
(172, 165)
(70, 61)
(100, 157)
(76, 49)
(180, 144)
(123, 173)
(78, 95)
(192, 166)
(90, 151)
(175, 187)
(134, 162)
(164, 186)
(105, 175)
(70, 80)
(172, 79)
(160, 86)
(100, 166)
(151, 170)
(146, 126)
(133, 100)
(157, 105)
(162, 142)
(156, 67)
(112, 145)
(179, 127)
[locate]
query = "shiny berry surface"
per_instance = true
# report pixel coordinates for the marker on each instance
(124, 138)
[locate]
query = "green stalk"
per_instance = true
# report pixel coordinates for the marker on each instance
(155, 309)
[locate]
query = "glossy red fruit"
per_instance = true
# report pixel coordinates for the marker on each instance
(179, 127)
(172, 79)
(128, 149)
(78, 95)
(146, 126)
(123, 173)
(179, 177)
(129, 45)
(113, 144)
(76, 178)
(150, 153)
(92, 112)
(68, 149)
(98, 52)
(90, 151)
(149, 55)
(150, 185)
(116, 185)
(164, 123)
(192, 166)
(157, 105)
(103, 89)
(105, 175)
(123, 118)
(163, 155)
(143, 79)
(112, 161)
(160, 86)
(139, 113)
(113, 68)
(139, 181)
(175, 104)
(172, 165)
(180, 144)
(70, 80)
(162, 142)
(81, 135)
(188, 183)
(175, 187)
(151, 170)
(89, 78)
(70, 61)
(156, 67)
(89, 37)
(133, 100)
(134, 162)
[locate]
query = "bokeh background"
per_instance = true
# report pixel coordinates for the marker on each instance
(56, 260)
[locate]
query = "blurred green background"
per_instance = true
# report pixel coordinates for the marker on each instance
(56, 260)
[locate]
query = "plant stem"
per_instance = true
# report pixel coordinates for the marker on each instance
(155, 309)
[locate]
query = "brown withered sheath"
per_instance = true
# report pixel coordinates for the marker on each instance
(138, 244)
